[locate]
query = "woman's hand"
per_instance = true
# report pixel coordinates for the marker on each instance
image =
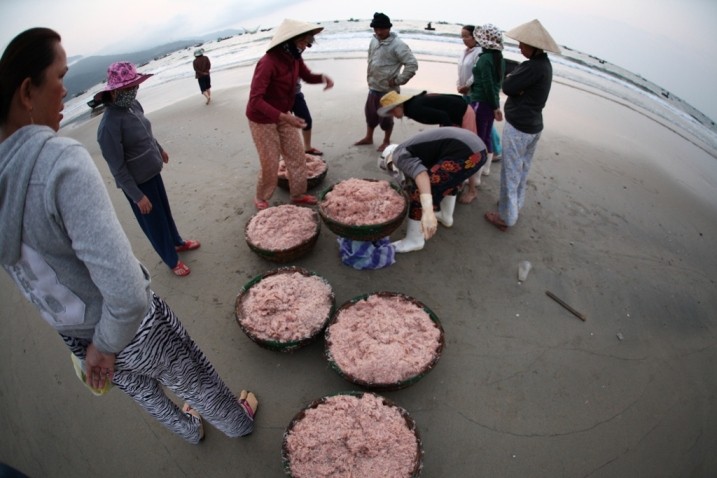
(294, 121)
(498, 115)
(144, 205)
(328, 82)
(99, 367)
(429, 223)
(165, 157)
(463, 90)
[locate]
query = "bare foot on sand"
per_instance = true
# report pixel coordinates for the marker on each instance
(467, 196)
(382, 147)
(363, 141)
(494, 218)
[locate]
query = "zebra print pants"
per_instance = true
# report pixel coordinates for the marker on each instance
(162, 353)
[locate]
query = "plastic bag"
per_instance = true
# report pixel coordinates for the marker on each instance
(79, 366)
(367, 254)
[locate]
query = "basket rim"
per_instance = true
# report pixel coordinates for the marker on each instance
(312, 181)
(278, 345)
(363, 227)
(272, 252)
(410, 423)
(376, 385)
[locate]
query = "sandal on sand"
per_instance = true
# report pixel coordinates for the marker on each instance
(304, 199)
(186, 408)
(314, 151)
(189, 245)
(260, 204)
(496, 158)
(249, 402)
(181, 269)
(494, 218)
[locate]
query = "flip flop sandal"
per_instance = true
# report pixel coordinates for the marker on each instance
(189, 245)
(307, 199)
(260, 205)
(186, 408)
(181, 269)
(494, 218)
(314, 151)
(245, 403)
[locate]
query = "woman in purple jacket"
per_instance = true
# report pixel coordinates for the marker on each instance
(135, 159)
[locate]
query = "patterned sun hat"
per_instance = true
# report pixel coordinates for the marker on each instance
(489, 37)
(123, 74)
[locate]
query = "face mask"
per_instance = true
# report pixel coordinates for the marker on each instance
(125, 98)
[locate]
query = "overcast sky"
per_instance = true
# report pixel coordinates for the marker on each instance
(669, 42)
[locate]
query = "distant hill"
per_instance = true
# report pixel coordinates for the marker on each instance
(86, 72)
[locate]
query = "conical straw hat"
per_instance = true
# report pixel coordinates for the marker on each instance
(390, 100)
(534, 34)
(290, 29)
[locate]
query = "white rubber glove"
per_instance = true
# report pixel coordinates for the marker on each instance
(429, 223)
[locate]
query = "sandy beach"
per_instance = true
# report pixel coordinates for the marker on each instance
(620, 222)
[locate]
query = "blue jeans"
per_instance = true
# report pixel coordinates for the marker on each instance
(158, 225)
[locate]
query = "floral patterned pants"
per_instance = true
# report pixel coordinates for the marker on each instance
(274, 141)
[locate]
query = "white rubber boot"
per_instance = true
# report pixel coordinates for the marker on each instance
(414, 240)
(445, 215)
(485, 169)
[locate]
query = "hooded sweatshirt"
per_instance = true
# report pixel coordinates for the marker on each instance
(62, 243)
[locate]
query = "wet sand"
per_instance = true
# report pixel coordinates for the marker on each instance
(620, 222)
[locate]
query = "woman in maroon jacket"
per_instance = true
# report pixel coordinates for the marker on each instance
(275, 131)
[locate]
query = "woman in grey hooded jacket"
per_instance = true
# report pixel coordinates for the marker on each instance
(62, 244)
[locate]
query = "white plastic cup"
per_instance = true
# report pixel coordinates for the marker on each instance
(523, 270)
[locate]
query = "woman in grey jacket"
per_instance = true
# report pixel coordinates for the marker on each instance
(135, 159)
(62, 244)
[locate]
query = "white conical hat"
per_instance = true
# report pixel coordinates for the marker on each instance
(534, 34)
(290, 29)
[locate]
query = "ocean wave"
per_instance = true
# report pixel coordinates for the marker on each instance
(349, 38)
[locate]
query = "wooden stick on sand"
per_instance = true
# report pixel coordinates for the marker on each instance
(570, 309)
